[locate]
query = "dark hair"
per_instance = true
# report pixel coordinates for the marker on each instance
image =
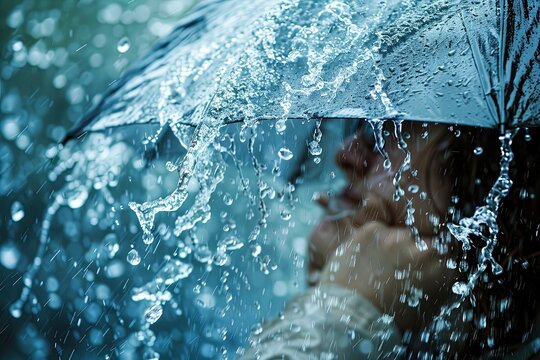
(506, 305)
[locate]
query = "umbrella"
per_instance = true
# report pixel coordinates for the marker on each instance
(458, 62)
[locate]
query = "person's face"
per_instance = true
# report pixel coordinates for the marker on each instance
(369, 193)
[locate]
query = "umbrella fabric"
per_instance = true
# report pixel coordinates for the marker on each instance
(459, 62)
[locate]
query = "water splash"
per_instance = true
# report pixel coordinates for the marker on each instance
(483, 224)
(28, 277)
(146, 212)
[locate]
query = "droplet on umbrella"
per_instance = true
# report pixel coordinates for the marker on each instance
(133, 257)
(478, 151)
(123, 45)
(285, 154)
(17, 211)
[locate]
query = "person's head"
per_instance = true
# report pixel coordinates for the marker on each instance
(452, 171)
(369, 194)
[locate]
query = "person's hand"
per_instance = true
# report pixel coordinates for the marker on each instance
(384, 266)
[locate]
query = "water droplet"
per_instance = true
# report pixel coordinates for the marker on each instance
(147, 238)
(478, 150)
(133, 257)
(230, 243)
(255, 250)
(413, 189)
(281, 125)
(17, 211)
(153, 313)
(123, 45)
(285, 154)
(286, 215)
(315, 148)
(220, 259)
(257, 329)
(460, 288)
(76, 197)
(203, 254)
(16, 309)
(528, 137)
(170, 166)
(9, 256)
(227, 199)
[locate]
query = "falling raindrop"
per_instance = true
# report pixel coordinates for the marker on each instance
(203, 254)
(255, 250)
(286, 214)
(153, 313)
(17, 211)
(147, 238)
(257, 329)
(478, 150)
(123, 45)
(315, 148)
(285, 154)
(228, 199)
(133, 257)
(170, 166)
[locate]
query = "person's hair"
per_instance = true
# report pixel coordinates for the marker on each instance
(506, 305)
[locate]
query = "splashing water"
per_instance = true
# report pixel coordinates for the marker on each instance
(482, 225)
(485, 219)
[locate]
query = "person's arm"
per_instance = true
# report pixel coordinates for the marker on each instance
(327, 322)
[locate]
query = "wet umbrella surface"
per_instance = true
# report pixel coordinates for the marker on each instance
(182, 201)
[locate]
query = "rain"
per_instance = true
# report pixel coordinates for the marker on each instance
(215, 179)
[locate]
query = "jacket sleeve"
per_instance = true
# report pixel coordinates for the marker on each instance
(327, 322)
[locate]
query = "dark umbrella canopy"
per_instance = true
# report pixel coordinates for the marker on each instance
(461, 62)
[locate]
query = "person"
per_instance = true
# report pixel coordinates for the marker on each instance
(381, 268)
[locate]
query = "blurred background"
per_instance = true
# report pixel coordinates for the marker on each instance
(57, 57)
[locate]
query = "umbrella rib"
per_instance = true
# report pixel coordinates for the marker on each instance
(482, 73)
